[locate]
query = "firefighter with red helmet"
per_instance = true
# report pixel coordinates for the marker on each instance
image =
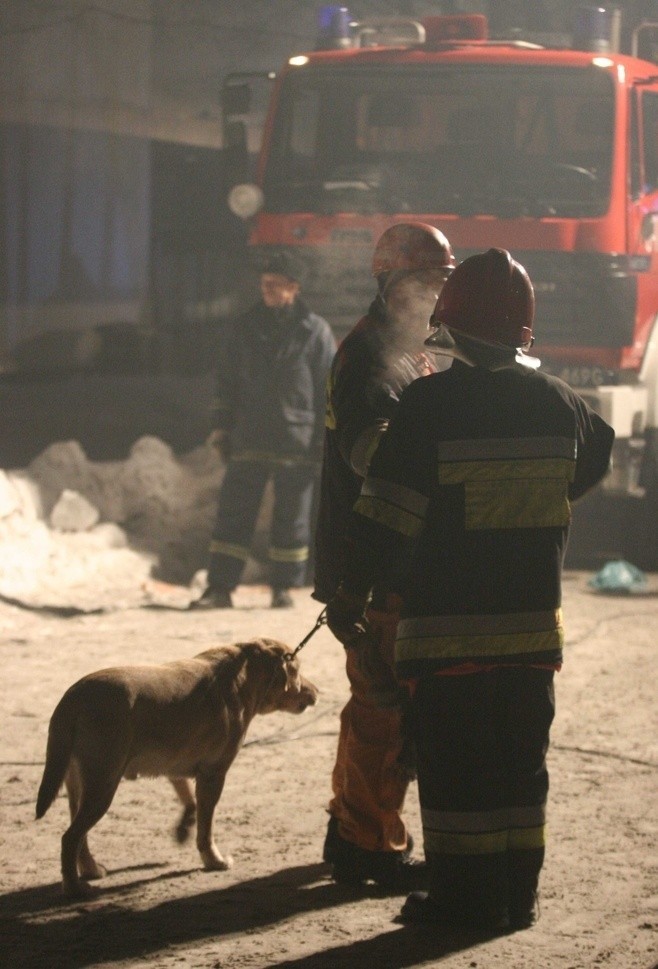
(367, 838)
(468, 499)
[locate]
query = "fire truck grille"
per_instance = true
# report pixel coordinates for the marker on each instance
(582, 299)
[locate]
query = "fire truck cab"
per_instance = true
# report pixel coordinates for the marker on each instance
(550, 152)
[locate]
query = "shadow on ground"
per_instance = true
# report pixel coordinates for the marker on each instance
(40, 928)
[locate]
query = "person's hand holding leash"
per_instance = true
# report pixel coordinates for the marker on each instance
(345, 617)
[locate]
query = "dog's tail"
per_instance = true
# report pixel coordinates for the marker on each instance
(58, 755)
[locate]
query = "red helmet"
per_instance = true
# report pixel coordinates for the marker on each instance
(488, 297)
(411, 247)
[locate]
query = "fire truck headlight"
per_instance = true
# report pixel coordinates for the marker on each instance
(245, 200)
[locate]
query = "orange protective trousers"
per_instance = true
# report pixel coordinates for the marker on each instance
(369, 786)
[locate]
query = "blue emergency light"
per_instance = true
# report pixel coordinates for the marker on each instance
(333, 28)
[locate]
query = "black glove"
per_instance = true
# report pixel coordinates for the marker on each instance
(345, 617)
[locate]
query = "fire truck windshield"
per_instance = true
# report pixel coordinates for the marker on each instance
(508, 141)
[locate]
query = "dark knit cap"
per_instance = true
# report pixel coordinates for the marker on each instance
(281, 263)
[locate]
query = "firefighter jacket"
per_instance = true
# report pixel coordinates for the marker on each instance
(365, 382)
(271, 380)
(470, 489)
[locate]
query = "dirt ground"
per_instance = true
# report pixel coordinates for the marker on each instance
(277, 906)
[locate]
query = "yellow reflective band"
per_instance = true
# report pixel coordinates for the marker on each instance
(389, 515)
(397, 494)
(364, 448)
(476, 647)
(481, 822)
(534, 492)
(483, 843)
(374, 443)
(288, 554)
(225, 548)
(451, 843)
(518, 504)
(497, 448)
(489, 624)
(472, 636)
(527, 838)
(459, 472)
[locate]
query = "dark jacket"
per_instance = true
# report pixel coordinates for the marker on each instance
(363, 390)
(271, 381)
(470, 490)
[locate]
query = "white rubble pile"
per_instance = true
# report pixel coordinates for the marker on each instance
(95, 533)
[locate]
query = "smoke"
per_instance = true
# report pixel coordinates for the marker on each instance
(409, 305)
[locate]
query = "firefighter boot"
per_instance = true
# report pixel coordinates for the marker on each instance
(331, 848)
(465, 891)
(524, 868)
(213, 598)
(392, 871)
(281, 599)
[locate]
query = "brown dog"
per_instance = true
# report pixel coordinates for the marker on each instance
(185, 719)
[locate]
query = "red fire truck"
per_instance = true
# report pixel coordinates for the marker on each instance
(548, 151)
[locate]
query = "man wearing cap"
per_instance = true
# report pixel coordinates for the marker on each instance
(269, 425)
(367, 839)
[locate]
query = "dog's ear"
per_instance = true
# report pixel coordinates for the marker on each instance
(286, 673)
(279, 670)
(286, 668)
(272, 662)
(284, 677)
(293, 680)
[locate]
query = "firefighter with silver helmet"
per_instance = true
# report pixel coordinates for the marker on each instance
(467, 503)
(366, 837)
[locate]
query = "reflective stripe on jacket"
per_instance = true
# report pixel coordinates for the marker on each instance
(363, 389)
(468, 503)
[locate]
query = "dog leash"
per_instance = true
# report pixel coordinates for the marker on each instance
(320, 621)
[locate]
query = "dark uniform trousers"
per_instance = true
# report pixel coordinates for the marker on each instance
(239, 504)
(481, 743)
